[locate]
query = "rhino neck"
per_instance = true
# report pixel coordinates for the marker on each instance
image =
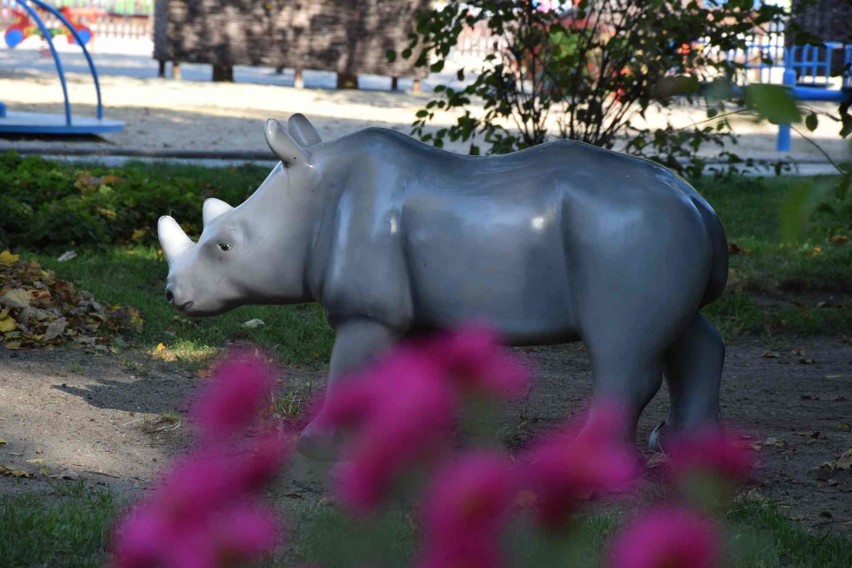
(279, 217)
(354, 261)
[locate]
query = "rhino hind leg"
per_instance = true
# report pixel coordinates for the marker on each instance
(630, 380)
(693, 371)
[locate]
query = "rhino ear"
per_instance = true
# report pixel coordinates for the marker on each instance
(303, 131)
(213, 208)
(290, 152)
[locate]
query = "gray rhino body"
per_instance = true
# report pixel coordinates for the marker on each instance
(556, 243)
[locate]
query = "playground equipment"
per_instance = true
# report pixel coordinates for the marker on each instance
(805, 69)
(23, 27)
(41, 123)
(804, 66)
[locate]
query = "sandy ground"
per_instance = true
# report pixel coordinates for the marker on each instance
(110, 419)
(194, 115)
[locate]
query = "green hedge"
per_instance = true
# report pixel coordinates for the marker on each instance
(50, 204)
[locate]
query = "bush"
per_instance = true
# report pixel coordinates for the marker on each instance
(587, 73)
(47, 204)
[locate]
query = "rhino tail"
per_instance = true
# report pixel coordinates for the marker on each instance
(719, 267)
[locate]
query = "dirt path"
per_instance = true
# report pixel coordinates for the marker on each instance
(114, 419)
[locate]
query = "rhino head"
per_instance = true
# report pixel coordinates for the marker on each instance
(256, 252)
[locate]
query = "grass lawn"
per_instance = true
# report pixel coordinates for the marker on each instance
(71, 529)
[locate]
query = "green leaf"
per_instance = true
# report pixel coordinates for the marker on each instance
(391, 55)
(811, 121)
(436, 67)
(801, 203)
(773, 102)
(712, 112)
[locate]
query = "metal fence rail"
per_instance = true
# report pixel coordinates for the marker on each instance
(119, 19)
(112, 7)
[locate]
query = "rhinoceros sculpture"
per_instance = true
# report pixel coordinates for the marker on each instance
(560, 242)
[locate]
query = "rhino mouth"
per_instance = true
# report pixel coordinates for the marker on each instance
(186, 306)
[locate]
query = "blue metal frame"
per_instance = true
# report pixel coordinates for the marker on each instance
(811, 66)
(82, 45)
(47, 36)
(83, 126)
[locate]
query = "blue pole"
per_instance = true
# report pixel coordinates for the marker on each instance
(782, 144)
(56, 60)
(80, 42)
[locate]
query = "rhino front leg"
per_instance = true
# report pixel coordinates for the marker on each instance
(358, 341)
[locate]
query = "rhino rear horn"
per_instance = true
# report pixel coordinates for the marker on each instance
(303, 131)
(212, 209)
(172, 238)
(290, 152)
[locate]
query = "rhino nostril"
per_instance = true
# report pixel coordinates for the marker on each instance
(170, 298)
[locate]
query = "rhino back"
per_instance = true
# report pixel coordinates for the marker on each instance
(503, 239)
(419, 237)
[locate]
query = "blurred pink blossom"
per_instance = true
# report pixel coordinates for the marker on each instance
(588, 457)
(477, 362)
(466, 509)
(666, 538)
(204, 512)
(234, 397)
(396, 415)
(711, 451)
(239, 531)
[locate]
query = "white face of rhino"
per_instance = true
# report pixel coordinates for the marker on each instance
(252, 254)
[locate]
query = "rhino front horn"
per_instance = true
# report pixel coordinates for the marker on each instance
(172, 238)
(213, 208)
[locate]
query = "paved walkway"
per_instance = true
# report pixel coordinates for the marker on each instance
(197, 119)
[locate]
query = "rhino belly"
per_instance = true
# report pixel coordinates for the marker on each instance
(509, 273)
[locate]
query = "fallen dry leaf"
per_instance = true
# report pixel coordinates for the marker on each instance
(7, 323)
(45, 310)
(55, 329)
(773, 441)
(7, 258)
(845, 461)
(6, 470)
(17, 298)
(734, 248)
(771, 354)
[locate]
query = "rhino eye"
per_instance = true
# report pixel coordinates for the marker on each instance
(224, 247)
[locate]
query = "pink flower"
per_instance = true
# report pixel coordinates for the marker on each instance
(196, 485)
(466, 510)
(263, 458)
(711, 451)
(235, 396)
(204, 514)
(140, 538)
(476, 361)
(245, 531)
(666, 538)
(587, 457)
(240, 531)
(396, 415)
